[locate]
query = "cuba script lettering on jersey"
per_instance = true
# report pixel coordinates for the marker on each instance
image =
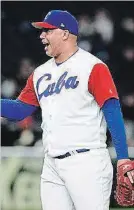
(56, 87)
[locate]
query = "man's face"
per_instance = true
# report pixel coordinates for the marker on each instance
(52, 39)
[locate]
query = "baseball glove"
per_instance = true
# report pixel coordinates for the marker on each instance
(124, 193)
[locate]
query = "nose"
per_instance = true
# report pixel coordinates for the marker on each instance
(43, 35)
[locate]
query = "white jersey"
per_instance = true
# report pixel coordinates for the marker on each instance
(71, 117)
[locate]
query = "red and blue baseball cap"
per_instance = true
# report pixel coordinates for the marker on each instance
(59, 19)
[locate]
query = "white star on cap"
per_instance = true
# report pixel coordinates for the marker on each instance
(62, 25)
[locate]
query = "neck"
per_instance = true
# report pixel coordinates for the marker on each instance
(68, 52)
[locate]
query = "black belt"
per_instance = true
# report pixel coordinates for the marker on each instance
(72, 153)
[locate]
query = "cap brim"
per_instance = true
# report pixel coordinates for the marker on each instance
(41, 25)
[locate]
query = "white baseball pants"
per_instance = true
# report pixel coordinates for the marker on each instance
(82, 181)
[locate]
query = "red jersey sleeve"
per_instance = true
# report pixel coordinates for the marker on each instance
(28, 94)
(101, 84)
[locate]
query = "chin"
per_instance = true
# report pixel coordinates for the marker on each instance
(49, 54)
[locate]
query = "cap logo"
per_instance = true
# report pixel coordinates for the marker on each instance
(62, 25)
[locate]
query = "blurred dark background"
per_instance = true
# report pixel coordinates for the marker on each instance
(106, 30)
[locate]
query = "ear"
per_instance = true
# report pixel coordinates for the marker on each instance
(66, 34)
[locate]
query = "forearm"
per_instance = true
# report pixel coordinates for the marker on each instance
(114, 119)
(15, 109)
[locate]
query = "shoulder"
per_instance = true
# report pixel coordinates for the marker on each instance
(89, 58)
(44, 67)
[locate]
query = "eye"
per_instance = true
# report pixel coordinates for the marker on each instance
(47, 30)
(50, 31)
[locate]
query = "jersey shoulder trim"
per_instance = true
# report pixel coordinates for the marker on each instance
(101, 84)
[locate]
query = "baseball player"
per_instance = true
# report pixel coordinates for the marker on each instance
(79, 100)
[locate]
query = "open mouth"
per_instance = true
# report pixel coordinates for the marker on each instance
(46, 45)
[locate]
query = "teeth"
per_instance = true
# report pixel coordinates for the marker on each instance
(45, 43)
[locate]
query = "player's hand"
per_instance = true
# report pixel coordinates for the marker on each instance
(130, 174)
(125, 179)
